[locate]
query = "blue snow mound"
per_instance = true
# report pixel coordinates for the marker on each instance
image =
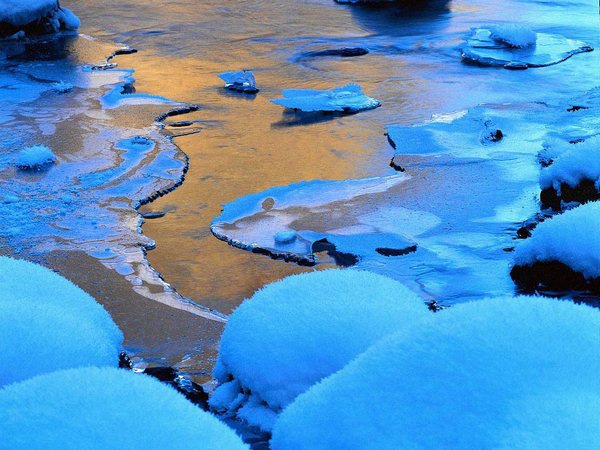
(295, 332)
(460, 382)
(101, 408)
(47, 323)
(346, 99)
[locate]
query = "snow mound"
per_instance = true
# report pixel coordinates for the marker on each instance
(98, 408)
(62, 87)
(579, 162)
(514, 35)
(534, 422)
(346, 99)
(26, 282)
(37, 338)
(456, 382)
(47, 323)
(571, 238)
(295, 332)
(22, 12)
(35, 158)
(35, 17)
(241, 81)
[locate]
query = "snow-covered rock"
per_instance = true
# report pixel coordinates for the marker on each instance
(513, 35)
(458, 382)
(62, 87)
(99, 408)
(35, 158)
(35, 17)
(240, 81)
(562, 253)
(295, 332)
(47, 323)
(515, 47)
(574, 174)
(345, 99)
(25, 281)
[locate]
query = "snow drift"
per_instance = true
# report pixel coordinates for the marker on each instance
(35, 158)
(47, 324)
(295, 332)
(457, 382)
(99, 408)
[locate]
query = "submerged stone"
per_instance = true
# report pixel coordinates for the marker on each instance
(485, 48)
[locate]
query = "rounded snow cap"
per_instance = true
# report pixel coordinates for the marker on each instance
(100, 408)
(456, 382)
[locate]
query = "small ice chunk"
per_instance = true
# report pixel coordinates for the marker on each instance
(241, 81)
(62, 87)
(35, 158)
(346, 99)
(460, 381)
(513, 35)
(285, 237)
(104, 407)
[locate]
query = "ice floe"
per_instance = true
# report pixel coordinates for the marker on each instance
(266, 221)
(562, 253)
(515, 47)
(98, 408)
(459, 381)
(295, 332)
(240, 81)
(346, 99)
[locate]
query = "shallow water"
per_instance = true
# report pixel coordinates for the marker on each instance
(248, 145)
(462, 208)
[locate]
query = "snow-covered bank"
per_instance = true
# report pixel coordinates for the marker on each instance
(31, 17)
(295, 332)
(99, 408)
(460, 381)
(562, 253)
(572, 173)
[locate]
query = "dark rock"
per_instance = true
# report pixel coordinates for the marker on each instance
(584, 192)
(153, 215)
(341, 259)
(396, 251)
(553, 275)
(345, 52)
(177, 112)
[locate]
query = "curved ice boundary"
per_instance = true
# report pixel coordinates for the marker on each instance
(110, 160)
(347, 99)
(487, 47)
(349, 219)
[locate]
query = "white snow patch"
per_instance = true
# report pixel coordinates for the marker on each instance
(35, 158)
(571, 166)
(456, 382)
(295, 332)
(513, 35)
(571, 238)
(349, 98)
(99, 408)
